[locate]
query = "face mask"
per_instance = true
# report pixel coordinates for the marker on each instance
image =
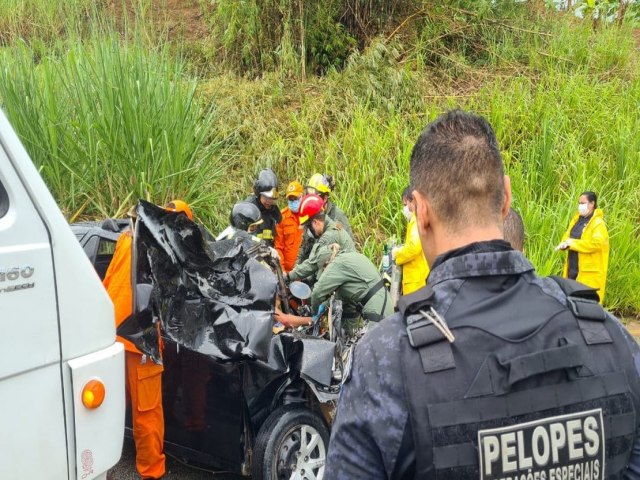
(294, 205)
(406, 212)
(583, 209)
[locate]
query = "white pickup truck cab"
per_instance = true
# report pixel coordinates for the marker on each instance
(62, 398)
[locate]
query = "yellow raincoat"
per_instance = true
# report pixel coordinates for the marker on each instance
(414, 266)
(593, 252)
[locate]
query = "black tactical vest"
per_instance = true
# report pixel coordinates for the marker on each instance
(559, 402)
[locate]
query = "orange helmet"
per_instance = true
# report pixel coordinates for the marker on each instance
(310, 206)
(179, 206)
(294, 189)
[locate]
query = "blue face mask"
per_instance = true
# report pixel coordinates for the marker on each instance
(294, 205)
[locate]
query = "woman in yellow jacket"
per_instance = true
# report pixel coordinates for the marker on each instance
(414, 266)
(587, 243)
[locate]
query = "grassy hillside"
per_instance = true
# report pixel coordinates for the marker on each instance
(113, 108)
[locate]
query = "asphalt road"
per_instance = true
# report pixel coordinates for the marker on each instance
(126, 468)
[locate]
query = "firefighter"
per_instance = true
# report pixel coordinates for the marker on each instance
(244, 219)
(144, 378)
(288, 231)
(319, 227)
(265, 194)
(322, 185)
(490, 371)
(414, 266)
(586, 242)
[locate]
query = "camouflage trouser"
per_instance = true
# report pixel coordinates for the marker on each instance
(354, 326)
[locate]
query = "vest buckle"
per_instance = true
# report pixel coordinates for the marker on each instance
(431, 329)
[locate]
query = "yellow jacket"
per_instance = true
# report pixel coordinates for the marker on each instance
(414, 266)
(593, 252)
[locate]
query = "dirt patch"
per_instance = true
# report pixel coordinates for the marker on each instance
(178, 19)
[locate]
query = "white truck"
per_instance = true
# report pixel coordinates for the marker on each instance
(62, 398)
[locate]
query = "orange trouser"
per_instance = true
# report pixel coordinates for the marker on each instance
(145, 389)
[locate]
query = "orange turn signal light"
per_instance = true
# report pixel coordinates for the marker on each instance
(93, 394)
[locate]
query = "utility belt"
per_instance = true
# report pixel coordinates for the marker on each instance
(372, 317)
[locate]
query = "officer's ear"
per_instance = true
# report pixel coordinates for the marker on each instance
(422, 211)
(506, 204)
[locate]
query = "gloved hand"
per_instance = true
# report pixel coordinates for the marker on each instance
(563, 245)
(321, 309)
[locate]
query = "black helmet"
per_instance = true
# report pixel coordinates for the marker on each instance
(244, 214)
(266, 183)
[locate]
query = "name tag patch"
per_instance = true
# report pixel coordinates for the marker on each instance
(565, 447)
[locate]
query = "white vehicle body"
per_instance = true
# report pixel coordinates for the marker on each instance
(58, 332)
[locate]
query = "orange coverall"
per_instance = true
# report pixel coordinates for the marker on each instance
(144, 378)
(288, 239)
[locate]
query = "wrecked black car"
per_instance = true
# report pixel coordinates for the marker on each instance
(236, 397)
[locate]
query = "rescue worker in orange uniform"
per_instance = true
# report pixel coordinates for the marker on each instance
(288, 231)
(144, 378)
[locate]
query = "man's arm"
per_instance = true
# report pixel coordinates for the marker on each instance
(308, 267)
(633, 466)
(372, 411)
(328, 283)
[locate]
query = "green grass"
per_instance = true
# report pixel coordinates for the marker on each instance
(108, 122)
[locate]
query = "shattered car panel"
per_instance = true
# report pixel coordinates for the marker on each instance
(212, 303)
(215, 301)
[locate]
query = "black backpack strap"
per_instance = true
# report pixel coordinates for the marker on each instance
(369, 295)
(583, 303)
(427, 331)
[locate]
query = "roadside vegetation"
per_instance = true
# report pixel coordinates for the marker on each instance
(114, 103)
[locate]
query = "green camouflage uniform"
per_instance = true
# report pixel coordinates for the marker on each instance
(351, 276)
(312, 266)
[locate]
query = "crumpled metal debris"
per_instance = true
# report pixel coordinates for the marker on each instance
(209, 297)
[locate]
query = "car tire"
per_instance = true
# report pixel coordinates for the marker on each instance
(291, 444)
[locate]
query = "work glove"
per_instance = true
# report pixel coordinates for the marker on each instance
(321, 309)
(563, 245)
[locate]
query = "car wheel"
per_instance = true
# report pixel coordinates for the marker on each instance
(292, 444)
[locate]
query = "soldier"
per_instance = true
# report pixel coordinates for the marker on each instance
(357, 282)
(324, 231)
(489, 371)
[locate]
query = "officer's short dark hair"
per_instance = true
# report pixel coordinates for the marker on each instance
(514, 230)
(456, 164)
(407, 193)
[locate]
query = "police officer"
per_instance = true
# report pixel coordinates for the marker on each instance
(324, 231)
(265, 193)
(489, 371)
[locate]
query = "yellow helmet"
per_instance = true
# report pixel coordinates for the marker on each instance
(319, 184)
(179, 206)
